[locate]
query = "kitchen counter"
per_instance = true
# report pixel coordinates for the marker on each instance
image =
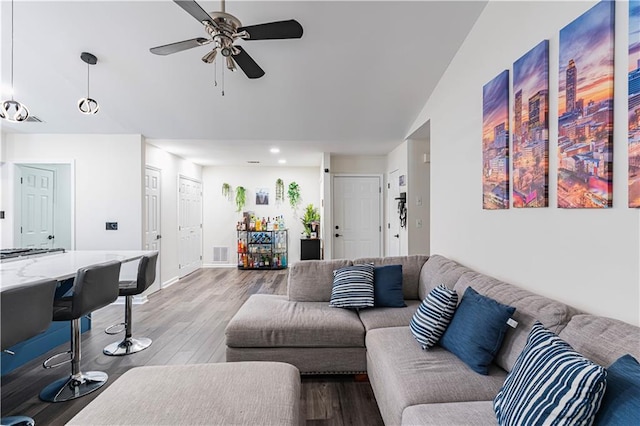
(59, 266)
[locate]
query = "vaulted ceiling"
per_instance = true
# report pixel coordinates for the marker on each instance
(353, 84)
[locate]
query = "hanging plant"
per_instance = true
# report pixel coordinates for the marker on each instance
(241, 197)
(226, 191)
(294, 195)
(279, 190)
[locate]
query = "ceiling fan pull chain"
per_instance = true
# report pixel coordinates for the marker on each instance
(215, 73)
(222, 81)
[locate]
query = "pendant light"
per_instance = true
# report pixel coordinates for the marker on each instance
(88, 105)
(12, 110)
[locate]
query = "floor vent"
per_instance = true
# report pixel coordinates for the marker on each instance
(220, 254)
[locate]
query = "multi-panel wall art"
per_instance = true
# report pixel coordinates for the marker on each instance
(585, 110)
(531, 128)
(495, 143)
(634, 103)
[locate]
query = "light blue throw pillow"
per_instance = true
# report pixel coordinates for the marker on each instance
(550, 384)
(621, 402)
(353, 287)
(477, 330)
(433, 315)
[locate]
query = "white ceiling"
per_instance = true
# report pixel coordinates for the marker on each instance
(353, 84)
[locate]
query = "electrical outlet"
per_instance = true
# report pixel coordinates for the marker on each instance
(418, 223)
(112, 226)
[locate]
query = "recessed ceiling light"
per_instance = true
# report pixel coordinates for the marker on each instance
(253, 161)
(275, 150)
(282, 161)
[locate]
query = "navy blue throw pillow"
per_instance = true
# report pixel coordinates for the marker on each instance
(621, 402)
(476, 331)
(387, 286)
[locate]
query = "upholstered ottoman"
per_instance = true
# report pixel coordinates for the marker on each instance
(242, 393)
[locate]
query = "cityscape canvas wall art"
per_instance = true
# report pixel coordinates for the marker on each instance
(531, 128)
(634, 103)
(495, 143)
(585, 110)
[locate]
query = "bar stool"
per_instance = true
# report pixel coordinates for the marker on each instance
(94, 287)
(146, 277)
(25, 312)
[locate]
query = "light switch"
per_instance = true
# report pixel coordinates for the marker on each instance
(112, 226)
(418, 223)
(418, 201)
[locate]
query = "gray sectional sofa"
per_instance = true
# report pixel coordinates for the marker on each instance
(411, 385)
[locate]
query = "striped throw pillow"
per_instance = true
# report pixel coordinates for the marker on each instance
(353, 287)
(550, 384)
(433, 316)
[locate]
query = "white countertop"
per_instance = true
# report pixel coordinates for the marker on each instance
(59, 266)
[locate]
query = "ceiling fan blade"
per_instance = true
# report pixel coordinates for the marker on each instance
(168, 49)
(194, 9)
(247, 64)
(274, 30)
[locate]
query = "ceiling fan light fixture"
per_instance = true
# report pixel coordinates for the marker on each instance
(12, 110)
(231, 65)
(88, 105)
(210, 56)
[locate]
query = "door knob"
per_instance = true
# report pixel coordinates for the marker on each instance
(50, 237)
(338, 235)
(158, 237)
(397, 235)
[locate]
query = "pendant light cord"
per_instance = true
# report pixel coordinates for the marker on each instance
(88, 81)
(12, 50)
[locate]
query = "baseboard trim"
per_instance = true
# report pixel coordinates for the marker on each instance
(170, 282)
(219, 265)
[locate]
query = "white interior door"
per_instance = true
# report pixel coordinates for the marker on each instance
(356, 217)
(37, 189)
(393, 220)
(189, 226)
(152, 236)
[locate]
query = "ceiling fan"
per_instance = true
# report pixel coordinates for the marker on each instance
(223, 30)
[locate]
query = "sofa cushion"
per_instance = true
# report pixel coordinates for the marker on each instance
(621, 402)
(387, 286)
(439, 270)
(433, 316)
(267, 320)
(312, 280)
(476, 331)
(550, 382)
(402, 374)
(473, 413)
(388, 317)
(602, 340)
(530, 307)
(353, 287)
(411, 267)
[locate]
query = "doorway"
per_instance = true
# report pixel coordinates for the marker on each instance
(357, 217)
(43, 206)
(189, 226)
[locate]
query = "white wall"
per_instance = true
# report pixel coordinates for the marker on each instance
(220, 216)
(171, 167)
(108, 184)
(418, 196)
(586, 258)
(398, 159)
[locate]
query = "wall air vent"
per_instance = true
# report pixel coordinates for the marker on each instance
(253, 161)
(33, 119)
(220, 254)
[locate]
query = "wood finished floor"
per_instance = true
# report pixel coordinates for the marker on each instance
(186, 323)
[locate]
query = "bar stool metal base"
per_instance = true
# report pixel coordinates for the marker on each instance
(17, 421)
(73, 387)
(130, 345)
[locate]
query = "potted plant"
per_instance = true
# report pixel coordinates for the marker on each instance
(294, 195)
(241, 197)
(279, 190)
(310, 220)
(226, 191)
